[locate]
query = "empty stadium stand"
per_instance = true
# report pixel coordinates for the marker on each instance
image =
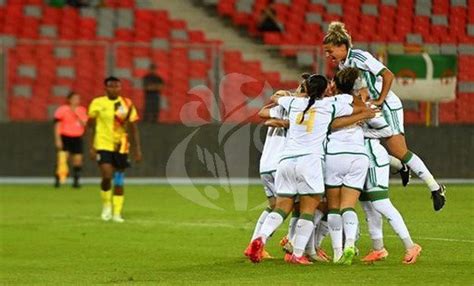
(55, 49)
(441, 26)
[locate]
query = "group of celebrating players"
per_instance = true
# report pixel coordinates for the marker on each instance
(323, 153)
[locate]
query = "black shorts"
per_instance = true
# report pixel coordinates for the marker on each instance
(72, 145)
(118, 160)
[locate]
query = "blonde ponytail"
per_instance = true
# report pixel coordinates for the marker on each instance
(337, 35)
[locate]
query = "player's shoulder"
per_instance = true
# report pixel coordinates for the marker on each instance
(60, 111)
(344, 98)
(61, 108)
(299, 102)
(127, 100)
(325, 104)
(361, 55)
(99, 99)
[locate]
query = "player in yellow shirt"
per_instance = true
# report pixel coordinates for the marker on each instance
(112, 117)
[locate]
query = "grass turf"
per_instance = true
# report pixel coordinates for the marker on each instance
(51, 236)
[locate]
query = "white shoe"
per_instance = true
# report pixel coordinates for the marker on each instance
(106, 213)
(118, 218)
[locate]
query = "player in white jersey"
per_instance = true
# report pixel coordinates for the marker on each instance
(338, 47)
(346, 165)
(374, 199)
(274, 144)
(300, 169)
(376, 203)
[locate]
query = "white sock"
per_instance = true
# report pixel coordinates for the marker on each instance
(395, 163)
(420, 169)
(335, 231)
(318, 215)
(310, 249)
(375, 223)
(291, 228)
(351, 224)
(259, 224)
(388, 210)
(271, 223)
(322, 230)
(303, 232)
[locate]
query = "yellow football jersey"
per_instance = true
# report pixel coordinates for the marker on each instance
(111, 118)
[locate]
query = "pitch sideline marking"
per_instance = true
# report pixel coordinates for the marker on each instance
(228, 225)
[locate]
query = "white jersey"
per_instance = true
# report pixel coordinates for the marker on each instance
(371, 69)
(307, 136)
(347, 140)
(274, 142)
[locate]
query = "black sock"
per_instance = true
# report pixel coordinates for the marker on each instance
(76, 172)
(56, 181)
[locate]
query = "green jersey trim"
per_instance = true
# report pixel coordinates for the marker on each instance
(332, 186)
(286, 195)
(377, 128)
(347, 153)
(392, 109)
(289, 106)
(295, 156)
(328, 132)
(355, 188)
(378, 195)
(381, 72)
(374, 158)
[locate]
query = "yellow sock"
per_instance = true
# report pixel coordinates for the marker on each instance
(106, 198)
(118, 204)
(62, 169)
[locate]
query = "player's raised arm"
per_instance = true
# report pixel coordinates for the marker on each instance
(345, 121)
(277, 123)
(264, 112)
(387, 79)
(279, 94)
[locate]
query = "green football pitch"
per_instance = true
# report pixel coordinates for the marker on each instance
(51, 236)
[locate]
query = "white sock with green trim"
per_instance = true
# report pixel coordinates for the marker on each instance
(322, 230)
(303, 232)
(271, 223)
(259, 224)
(351, 224)
(291, 228)
(420, 169)
(388, 210)
(335, 231)
(375, 224)
(310, 249)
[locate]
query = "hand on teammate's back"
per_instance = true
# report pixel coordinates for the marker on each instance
(370, 112)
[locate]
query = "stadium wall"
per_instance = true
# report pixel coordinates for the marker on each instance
(27, 149)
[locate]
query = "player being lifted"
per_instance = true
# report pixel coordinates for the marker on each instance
(338, 47)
